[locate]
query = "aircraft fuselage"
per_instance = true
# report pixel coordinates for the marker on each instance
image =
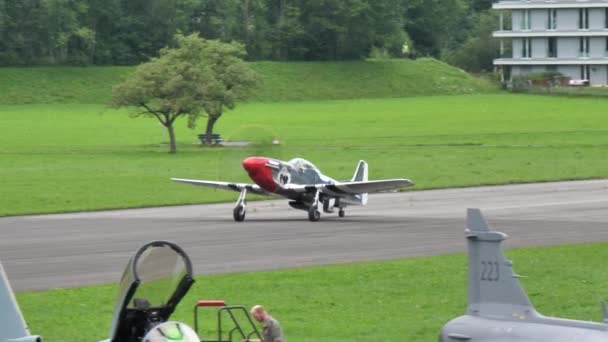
(481, 329)
(275, 175)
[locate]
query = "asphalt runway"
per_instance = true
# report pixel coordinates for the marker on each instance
(49, 251)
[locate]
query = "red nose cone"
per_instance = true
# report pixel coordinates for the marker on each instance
(253, 164)
(260, 173)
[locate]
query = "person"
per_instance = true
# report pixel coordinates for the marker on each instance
(272, 331)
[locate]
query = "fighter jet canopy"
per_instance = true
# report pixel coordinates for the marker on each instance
(156, 278)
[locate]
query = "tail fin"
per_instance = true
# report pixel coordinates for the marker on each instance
(494, 290)
(12, 324)
(361, 175)
(604, 312)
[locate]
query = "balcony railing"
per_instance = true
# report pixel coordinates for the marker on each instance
(514, 4)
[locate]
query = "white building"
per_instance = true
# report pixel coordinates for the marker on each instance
(568, 36)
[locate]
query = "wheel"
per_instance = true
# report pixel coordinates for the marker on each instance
(341, 213)
(313, 214)
(239, 214)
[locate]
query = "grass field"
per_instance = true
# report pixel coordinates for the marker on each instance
(404, 300)
(280, 81)
(63, 150)
(81, 157)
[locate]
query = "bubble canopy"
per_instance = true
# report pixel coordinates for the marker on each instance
(156, 278)
(302, 164)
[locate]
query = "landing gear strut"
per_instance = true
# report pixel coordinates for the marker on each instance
(241, 207)
(341, 213)
(313, 212)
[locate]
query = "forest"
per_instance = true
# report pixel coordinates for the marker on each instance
(128, 32)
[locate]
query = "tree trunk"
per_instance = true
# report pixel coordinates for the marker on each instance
(210, 123)
(172, 145)
(247, 23)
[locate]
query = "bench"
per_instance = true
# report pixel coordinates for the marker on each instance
(216, 139)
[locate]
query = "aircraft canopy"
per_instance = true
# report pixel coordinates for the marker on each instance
(154, 281)
(302, 164)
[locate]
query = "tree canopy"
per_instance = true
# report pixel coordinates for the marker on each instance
(128, 32)
(196, 78)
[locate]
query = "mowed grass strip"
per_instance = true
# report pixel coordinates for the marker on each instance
(403, 300)
(280, 81)
(57, 158)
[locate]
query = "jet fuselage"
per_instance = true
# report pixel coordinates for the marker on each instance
(481, 329)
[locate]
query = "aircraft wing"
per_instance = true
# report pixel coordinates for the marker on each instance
(354, 188)
(251, 188)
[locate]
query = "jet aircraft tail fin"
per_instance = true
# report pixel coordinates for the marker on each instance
(604, 312)
(12, 324)
(361, 175)
(494, 290)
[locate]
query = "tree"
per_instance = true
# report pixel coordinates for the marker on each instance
(434, 25)
(228, 77)
(479, 51)
(164, 91)
(198, 75)
(128, 32)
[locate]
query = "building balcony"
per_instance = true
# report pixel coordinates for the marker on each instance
(550, 33)
(530, 4)
(553, 61)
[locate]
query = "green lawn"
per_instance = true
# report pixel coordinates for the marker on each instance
(295, 81)
(404, 300)
(65, 157)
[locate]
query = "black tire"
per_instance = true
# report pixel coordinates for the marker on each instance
(239, 214)
(313, 214)
(341, 213)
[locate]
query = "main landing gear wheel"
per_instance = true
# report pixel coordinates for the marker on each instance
(239, 213)
(313, 214)
(341, 213)
(241, 207)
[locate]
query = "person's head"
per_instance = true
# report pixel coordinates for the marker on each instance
(259, 313)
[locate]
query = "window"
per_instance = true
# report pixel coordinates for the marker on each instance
(552, 47)
(585, 72)
(526, 49)
(526, 22)
(584, 47)
(552, 22)
(583, 18)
